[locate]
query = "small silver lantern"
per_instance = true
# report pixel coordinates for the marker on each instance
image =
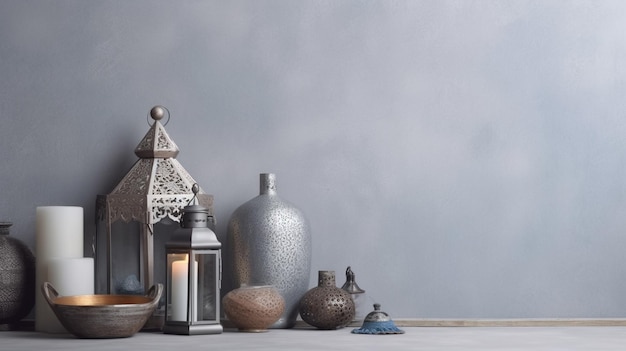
(135, 220)
(193, 280)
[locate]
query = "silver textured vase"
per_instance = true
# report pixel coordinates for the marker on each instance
(270, 241)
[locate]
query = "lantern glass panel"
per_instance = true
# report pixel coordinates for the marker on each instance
(178, 285)
(126, 267)
(163, 232)
(193, 289)
(208, 287)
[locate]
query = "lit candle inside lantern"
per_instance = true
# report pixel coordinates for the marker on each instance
(180, 289)
(59, 234)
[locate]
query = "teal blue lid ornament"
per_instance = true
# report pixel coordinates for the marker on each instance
(378, 322)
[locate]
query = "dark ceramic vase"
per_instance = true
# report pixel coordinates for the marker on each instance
(326, 306)
(17, 277)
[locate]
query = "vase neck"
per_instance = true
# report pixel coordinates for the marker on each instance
(268, 184)
(326, 279)
(4, 228)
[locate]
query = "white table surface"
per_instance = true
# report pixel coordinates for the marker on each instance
(302, 339)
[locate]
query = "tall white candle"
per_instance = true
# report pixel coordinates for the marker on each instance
(180, 292)
(59, 234)
(71, 276)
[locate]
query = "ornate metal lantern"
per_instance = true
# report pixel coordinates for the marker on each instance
(140, 211)
(193, 277)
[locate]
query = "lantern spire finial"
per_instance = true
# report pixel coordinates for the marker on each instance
(158, 112)
(195, 189)
(157, 143)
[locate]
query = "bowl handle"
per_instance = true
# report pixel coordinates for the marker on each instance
(155, 292)
(49, 292)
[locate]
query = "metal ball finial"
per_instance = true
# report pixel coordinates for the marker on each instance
(195, 188)
(158, 112)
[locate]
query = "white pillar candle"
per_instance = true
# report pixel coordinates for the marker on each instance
(71, 276)
(59, 234)
(180, 292)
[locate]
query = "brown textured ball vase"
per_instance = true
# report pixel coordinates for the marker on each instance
(253, 308)
(327, 306)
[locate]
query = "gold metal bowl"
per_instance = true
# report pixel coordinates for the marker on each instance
(102, 316)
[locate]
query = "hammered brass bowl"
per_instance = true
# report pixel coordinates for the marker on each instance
(102, 316)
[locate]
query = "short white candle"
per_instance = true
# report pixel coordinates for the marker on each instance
(59, 234)
(180, 292)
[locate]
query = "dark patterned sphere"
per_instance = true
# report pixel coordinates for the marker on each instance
(17, 277)
(327, 306)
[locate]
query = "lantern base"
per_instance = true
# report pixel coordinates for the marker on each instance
(155, 322)
(183, 329)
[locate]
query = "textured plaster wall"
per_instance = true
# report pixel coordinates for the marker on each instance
(466, 158)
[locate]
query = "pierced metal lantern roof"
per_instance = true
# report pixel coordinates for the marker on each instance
(157, 186)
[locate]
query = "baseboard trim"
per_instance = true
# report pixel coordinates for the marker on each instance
(521, 322)
(525, 322)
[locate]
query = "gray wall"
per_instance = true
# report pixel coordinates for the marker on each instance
(466, 158)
